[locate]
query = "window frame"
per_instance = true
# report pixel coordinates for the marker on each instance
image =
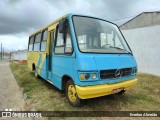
(67, 53)
(32, 43)
(43, 41)
(56, 35)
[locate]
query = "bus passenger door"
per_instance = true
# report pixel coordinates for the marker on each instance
(51, 35)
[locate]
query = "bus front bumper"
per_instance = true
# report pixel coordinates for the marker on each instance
(85, 92)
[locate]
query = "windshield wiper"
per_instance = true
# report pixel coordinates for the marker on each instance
(120, 49)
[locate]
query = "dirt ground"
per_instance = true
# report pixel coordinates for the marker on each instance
(10, 94)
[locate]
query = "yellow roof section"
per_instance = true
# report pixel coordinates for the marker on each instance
(54, 22)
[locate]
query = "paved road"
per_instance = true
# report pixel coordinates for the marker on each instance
(10, 94)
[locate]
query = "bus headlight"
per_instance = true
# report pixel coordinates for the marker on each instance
(81, 76)
(87, 76)
(94, 76)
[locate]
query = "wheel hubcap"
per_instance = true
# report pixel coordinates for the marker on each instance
(72, 93)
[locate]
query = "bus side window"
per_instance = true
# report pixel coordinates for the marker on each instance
(59, 47)
(31, 41)
(44, 40)
(68, 46)
(37, 42)
(82, 41)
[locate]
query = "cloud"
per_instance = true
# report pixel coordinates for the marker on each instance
(17, 16)
(22, 17)
(14, 43)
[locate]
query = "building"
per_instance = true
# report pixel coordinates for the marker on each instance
(20, 55)
(143, 35)
(4, 55)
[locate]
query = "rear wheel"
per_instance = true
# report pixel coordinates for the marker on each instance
(35, 74)
(71, 94)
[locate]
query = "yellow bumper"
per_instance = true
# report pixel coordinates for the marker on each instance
(102, 90)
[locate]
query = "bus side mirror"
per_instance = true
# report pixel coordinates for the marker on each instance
(62, 26)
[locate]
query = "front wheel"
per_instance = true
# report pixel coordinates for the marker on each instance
(122, 92)
(71, 94)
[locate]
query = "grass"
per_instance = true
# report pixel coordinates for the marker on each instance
(42, 96)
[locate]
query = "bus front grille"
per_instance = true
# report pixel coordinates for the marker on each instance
(115, 73)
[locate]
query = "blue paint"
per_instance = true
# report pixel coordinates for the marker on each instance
(44, 69)
(57, 81)
(62, 65)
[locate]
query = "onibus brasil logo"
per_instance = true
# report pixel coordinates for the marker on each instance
(18, 113)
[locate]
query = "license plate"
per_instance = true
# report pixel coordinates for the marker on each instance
(117, 90)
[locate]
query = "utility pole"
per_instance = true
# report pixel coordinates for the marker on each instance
(1, 50)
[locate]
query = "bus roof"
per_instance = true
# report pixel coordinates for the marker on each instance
(70, 14)
(54, 22)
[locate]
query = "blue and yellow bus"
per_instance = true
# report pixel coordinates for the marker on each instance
(85, 56)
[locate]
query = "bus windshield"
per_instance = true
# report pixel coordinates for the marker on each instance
(98, 36)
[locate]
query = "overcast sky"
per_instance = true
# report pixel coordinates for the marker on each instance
(19, 18)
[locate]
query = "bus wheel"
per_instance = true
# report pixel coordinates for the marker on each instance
(35, 74)
(71, 94)
(122, 92)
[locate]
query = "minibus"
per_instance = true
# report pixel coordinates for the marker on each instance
(84, 56)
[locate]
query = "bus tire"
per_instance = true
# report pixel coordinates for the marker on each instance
(122, 92)
(71, 94)
(35, 74)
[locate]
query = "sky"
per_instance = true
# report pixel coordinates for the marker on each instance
(19, 18)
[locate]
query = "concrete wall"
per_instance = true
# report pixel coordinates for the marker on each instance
(145, 19)
(145, 44)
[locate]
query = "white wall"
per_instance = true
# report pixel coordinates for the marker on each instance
(145, 44)
(19, 55)
(23, 55)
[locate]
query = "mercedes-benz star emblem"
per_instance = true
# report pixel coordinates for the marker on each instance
(118, 73)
